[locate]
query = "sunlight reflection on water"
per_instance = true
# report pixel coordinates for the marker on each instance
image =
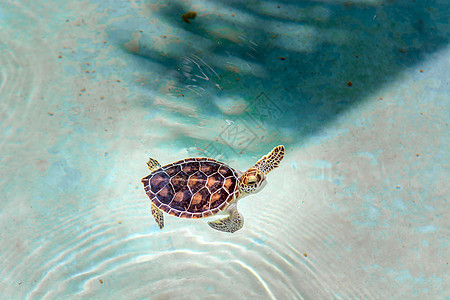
(356, 209)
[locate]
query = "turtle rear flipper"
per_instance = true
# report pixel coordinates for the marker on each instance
(232, 223)
(153, 164)
(158, 215)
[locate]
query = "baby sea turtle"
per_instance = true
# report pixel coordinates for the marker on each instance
(201, 187)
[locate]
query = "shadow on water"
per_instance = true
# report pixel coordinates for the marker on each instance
(295, 67)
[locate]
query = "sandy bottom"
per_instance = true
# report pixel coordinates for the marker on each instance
(356, 210)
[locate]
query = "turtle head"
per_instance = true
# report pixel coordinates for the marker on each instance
(255, 178)
(252, 181)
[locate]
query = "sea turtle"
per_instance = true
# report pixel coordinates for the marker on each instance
(201, 187)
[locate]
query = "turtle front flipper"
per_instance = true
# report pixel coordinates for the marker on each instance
(158, 215)
(232, 223)
(153, 164)
(270, 161)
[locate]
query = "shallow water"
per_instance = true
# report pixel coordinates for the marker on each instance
(356, 91)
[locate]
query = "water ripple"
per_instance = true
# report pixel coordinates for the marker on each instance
(324, 255)
(281, 253)
(94, 253)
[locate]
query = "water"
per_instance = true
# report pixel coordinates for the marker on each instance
(356, 91)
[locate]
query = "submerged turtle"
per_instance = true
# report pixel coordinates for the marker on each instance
(202, 187)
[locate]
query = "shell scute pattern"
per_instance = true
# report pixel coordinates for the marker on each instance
(165, 194)
(192, 188)
(209, 168)
(178, 181)
(158, 181)
(215, 198)
(200, 201)
(174, 169)
(191, 167)
(229, 185)
(225, 172)
(214, 182)
(181, 200)
(196, 181)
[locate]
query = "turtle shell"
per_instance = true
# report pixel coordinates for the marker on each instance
(192, 187)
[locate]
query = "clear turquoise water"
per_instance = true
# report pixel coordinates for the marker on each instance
(357, 92)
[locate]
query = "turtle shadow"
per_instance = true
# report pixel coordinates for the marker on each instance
(298, 66)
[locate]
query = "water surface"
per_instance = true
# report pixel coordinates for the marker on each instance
(356, 91)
